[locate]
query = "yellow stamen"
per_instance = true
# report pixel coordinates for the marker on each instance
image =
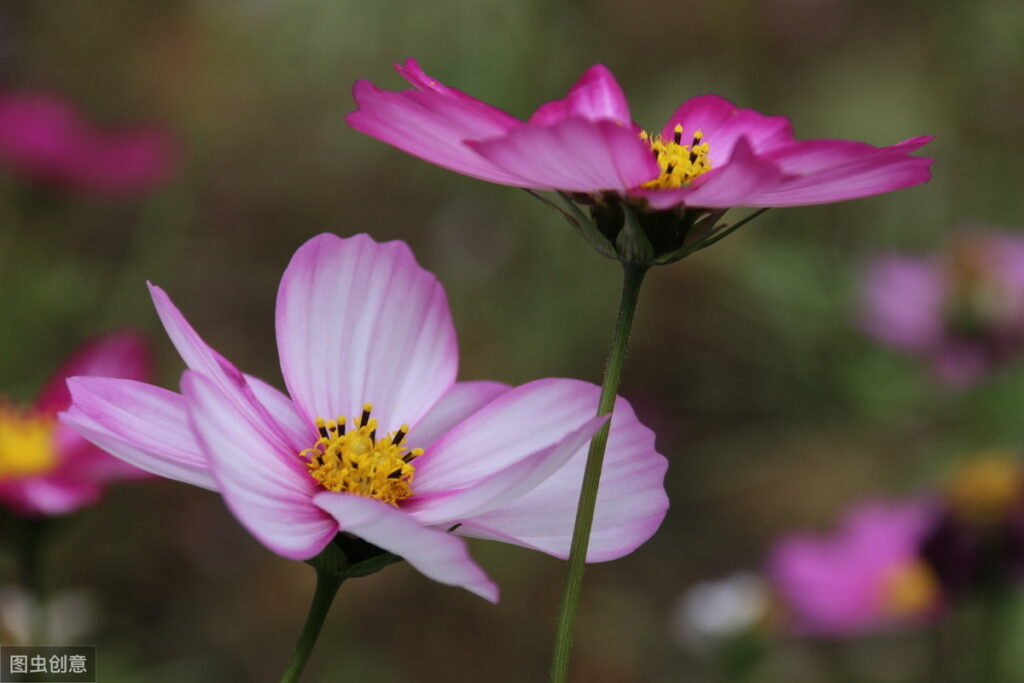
(910, 589)
(679, 163)
(26, 443)
(357, 462)
(986, 489)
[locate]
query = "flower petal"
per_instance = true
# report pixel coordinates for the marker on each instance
(902, 301)
(596, 96)
(48, 495)
(522, 421)
(461, 401)
(272, 500)
(573, 155)
(431, 123)
(863, 177)
(504, 486)
(438, 555)
(745, 175)
(121, 354)
(631, 499)
(200, 357)
(299, 433)
(360, 322)
(723, 124)
(141, 424)
(808, 156)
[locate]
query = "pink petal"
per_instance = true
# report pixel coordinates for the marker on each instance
(597, 96)
(202, 358)
(574, 155)
(432, 124)
(503, 487)
(731, 184)
(141, 424)
(47, 496)
(902, 302)
(121, 354)
(461, 401)
(863, 177)
(522, 421)
(631, 500)
(272, 500)
(808, 156)
(360, 322)
(299, 433)
(724, 124)
(438, 555)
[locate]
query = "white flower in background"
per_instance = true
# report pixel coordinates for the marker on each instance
(713, 611)
(66, 617)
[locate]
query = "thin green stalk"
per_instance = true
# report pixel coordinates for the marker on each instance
(30, 570)
(327, 585)
(632, 278)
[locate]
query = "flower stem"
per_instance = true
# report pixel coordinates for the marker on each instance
(632, 278)
(30, 567)
(327, 585)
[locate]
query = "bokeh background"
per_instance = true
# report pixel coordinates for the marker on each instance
(773, 407)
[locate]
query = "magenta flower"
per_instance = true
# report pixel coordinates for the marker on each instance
(45, 138)
(867, 576)
(962, 310)
(377, 440)
(709, 154)
(47, 468)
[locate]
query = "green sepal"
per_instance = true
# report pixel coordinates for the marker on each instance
(372, 565)
(632, 243)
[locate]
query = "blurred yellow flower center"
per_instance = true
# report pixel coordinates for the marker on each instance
(909, 589)
(679, 163)
(356, 461)
(26, 443)
(985, 490)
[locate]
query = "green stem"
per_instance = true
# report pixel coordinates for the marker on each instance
(632, 278)
(30, 551)
(327, 585)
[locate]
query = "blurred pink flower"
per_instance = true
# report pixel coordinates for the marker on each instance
(865, 577)
(710, 153)
(44, 137)
(364, 332)
(47, 468)
(962, 309)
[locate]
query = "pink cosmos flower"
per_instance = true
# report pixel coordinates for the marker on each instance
(709, 154)
(867, 576)
(47, 468)
(377, 440)
(961, 309)
(44, 137)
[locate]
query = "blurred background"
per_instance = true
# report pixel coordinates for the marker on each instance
(777, 409)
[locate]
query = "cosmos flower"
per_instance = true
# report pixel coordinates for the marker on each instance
(47, 468)
(710, 153)
(376, 439)
(45, 138)
(867, 576)
(962, 309)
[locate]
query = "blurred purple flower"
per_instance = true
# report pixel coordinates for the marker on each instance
(962, 310)
(710, 153)
(361, 329)
(865, 577)
(47, 468)
(45, 137)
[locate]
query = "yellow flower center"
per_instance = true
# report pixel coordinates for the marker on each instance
(356, 461)
(26, 443)
(679, 163)
(910, 589)
(985, 490)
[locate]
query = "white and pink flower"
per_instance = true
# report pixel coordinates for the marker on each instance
(375, 438)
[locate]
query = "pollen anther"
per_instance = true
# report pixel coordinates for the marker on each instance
(680, 164)
(357, 462)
